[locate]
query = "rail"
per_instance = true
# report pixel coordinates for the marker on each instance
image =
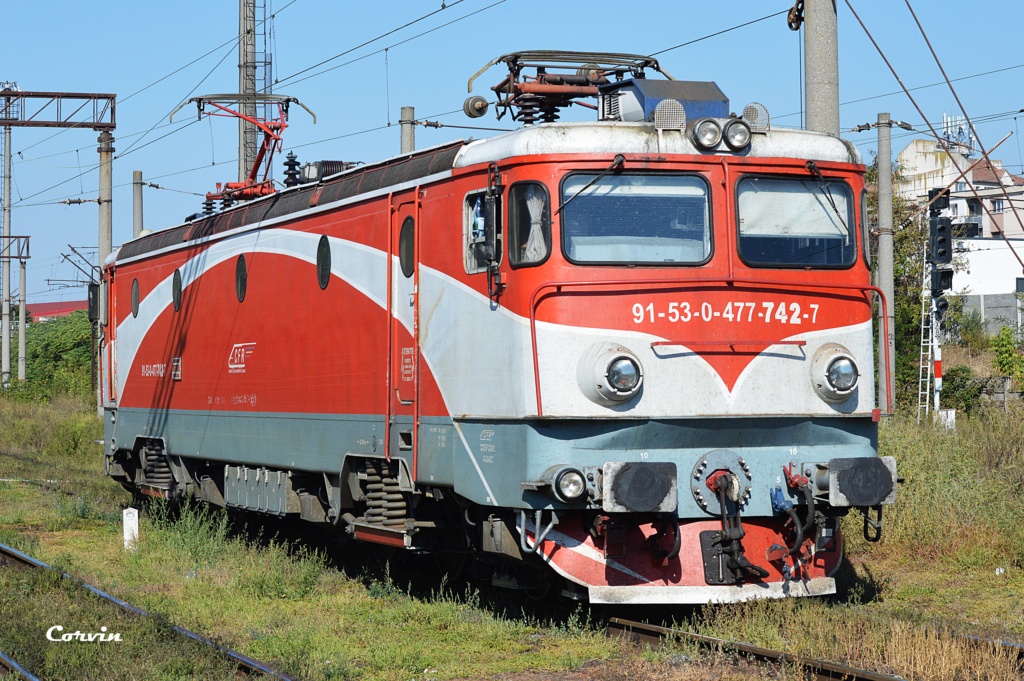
(812, 668)
(14, 668)
(633, 285)
(247, 667)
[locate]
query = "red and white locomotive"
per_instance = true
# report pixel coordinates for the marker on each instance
(631, 358)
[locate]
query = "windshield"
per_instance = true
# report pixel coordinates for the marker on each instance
(635, 219)
(798, 222)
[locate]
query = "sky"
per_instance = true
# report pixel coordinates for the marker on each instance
(355, 64)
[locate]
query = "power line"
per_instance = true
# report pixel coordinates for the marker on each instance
(372, 40)
(919, 87)
(712, 35)
(401, 42)
(159, 80)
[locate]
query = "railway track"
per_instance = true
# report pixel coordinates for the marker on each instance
(247, 668)
(812, 668)
(641, 632)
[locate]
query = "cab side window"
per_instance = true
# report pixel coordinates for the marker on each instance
(529, 224)
(474, 233)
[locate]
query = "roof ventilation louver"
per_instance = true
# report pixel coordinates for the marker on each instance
(315, 172)
(756, 116)
(669, 115)
(610, 107)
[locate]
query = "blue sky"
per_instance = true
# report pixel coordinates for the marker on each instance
(137, 50)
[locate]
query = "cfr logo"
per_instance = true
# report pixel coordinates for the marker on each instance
(236, 358)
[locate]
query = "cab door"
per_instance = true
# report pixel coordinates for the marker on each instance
(404, 354)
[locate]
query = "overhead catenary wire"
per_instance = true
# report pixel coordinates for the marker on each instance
(444, 6)
(913, 101)
(718, 33)
(963, 110)
(400, 42)
(122, 100)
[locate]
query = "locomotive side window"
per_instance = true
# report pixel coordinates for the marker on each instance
(475, 235)
(529, 224)
(407, 247)
(176, 290)
(795, 222)
(864, 229)
(135, 297)
(636, 219)
(323, 262)
(241, 278)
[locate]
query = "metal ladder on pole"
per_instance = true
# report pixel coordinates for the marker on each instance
(924, 371)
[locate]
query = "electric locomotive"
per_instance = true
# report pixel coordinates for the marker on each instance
(629, 359)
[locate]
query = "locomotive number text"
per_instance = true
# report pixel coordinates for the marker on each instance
(736, 312)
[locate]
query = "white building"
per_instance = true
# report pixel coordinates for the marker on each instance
(927, 166)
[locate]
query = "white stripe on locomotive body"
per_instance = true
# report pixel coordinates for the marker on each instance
(481, 355)
(613, 137)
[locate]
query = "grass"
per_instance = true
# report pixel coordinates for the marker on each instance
(958, 518)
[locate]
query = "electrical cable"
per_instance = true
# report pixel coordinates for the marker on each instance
(913, 101)
(712, 35)
(400, 42)
(155, 82)
(368, 42)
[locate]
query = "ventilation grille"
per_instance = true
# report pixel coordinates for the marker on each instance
(756, 116)
(669, 115)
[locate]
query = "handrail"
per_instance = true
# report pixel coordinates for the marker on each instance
(731, 343)
(633, 284)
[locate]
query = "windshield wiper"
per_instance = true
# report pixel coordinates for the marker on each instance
(812, 168)
(617, 161)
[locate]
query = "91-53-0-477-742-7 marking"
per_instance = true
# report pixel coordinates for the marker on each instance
(739, 311)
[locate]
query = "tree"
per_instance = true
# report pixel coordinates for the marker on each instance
(910, 239)
(58, 356)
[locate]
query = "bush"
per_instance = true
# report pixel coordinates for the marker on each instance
(1008, 360)
(961, 389)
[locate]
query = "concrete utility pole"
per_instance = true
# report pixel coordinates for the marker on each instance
(5, 342)
(821, 66)
(886, 373)
(106, 238)
(22, 322)
(136, 203)
(408, 129)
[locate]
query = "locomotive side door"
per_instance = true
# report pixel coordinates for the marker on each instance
(403, 369)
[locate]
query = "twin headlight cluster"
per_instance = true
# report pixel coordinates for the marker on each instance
(708, 133)
(610, 374)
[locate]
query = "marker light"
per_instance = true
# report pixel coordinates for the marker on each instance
(569, 484)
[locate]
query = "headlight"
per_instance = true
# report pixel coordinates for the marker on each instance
(834, 373)
(569, 484)
(707, 133)
(623, 374)
(737, 135)
(842, 374)
(609, 374)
